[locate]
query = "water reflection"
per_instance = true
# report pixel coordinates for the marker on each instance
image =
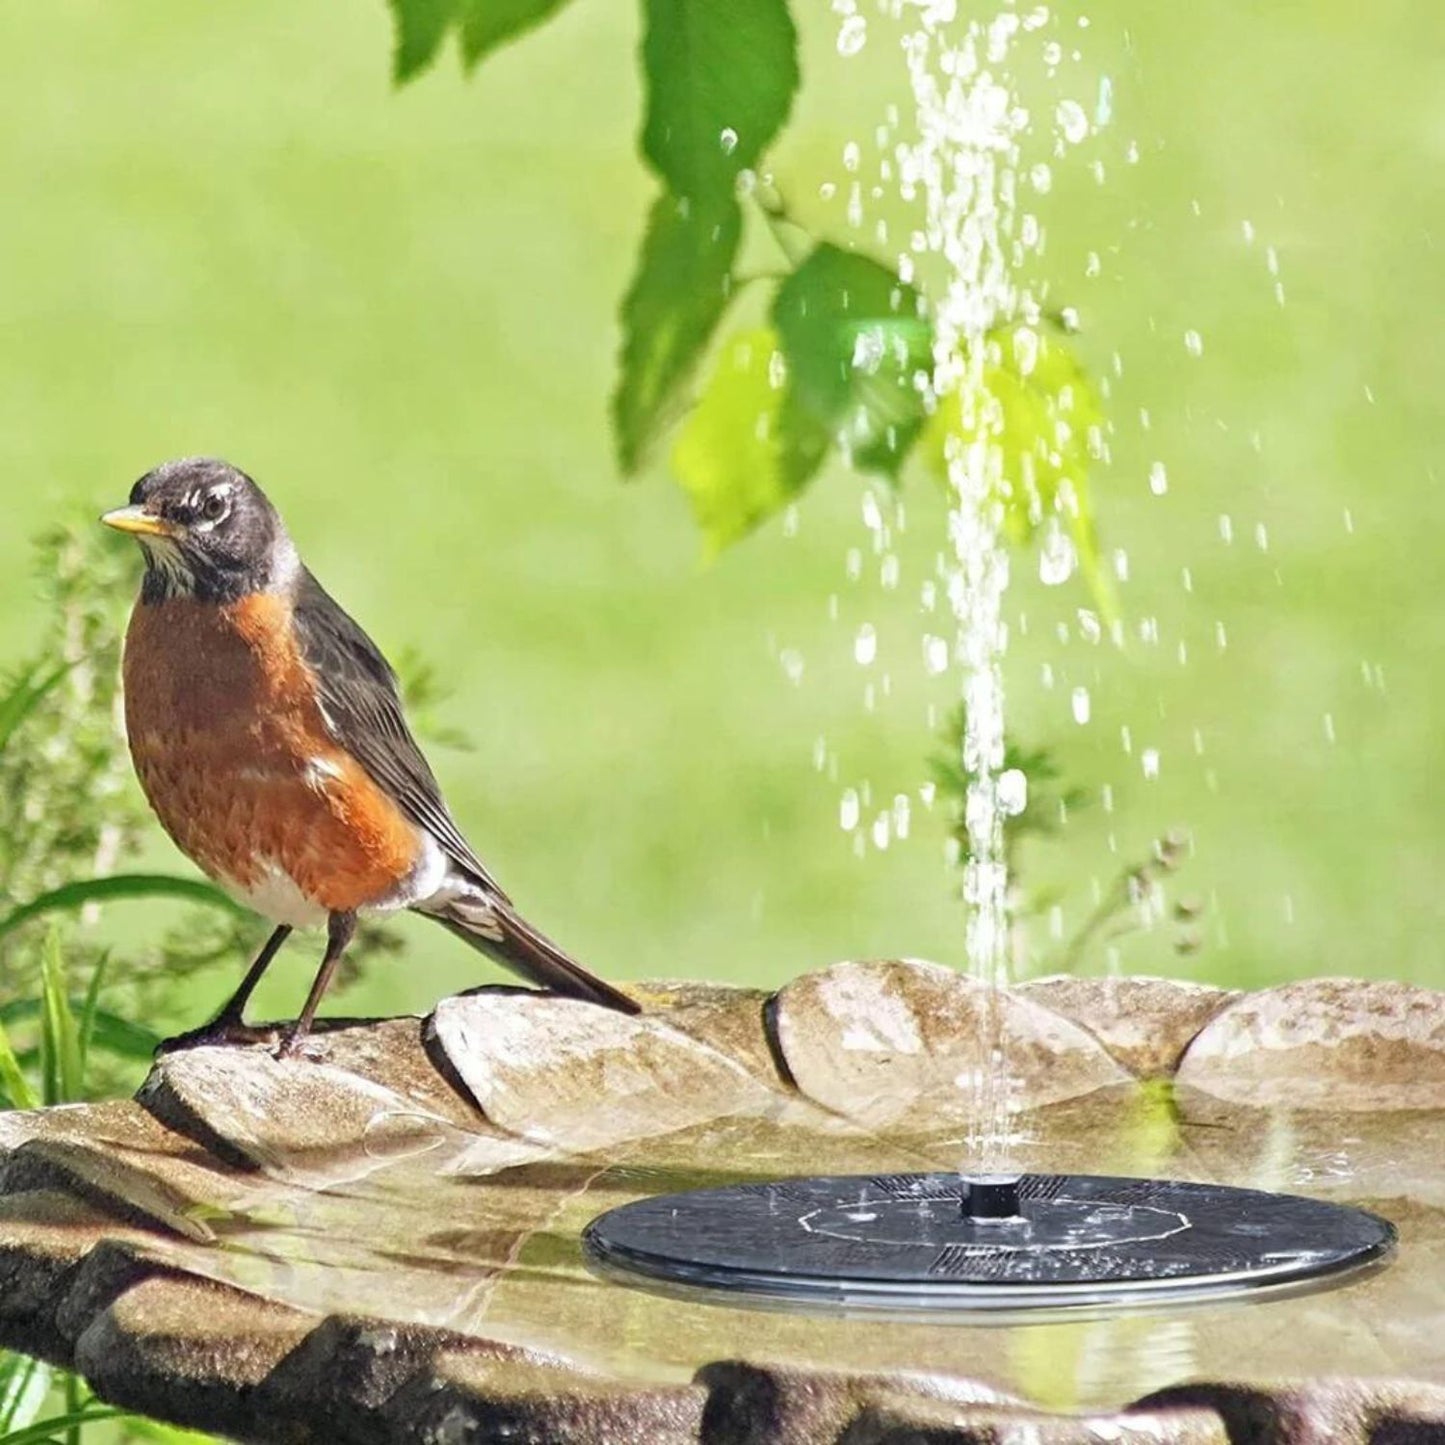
(496, 1251)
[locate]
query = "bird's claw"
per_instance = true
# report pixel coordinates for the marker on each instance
(220, 1030)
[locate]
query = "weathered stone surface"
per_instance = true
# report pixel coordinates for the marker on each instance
(757, 1404)
(340, 1379)
(1325, 1043)
(471, 1401)
(573, 1077)
(97, 1281)
(727, 1019)
(1318, 1412)
(292, 1117)
(123, 1160)
(43, 1236)
(1144, 1023)
(909, 1420)
(898, 1045)
(184, 1349)
(393, 1053)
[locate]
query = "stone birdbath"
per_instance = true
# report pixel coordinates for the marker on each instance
(381, 1241)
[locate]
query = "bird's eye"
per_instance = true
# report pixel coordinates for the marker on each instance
(214, 507)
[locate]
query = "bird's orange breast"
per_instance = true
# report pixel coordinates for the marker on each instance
(235, 757)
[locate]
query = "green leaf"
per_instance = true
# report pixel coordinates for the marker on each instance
(682, 287)
(1040, 410)
(60, 1053)
(487, 24)
(856, 341)
(720, 82)
(110, 1031)
(421, 27)
(733, 457)
(71, 896)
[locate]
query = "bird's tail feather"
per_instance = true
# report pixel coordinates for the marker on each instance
(504, 935)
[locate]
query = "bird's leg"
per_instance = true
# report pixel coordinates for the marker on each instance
(228, 1026)
(339, 928)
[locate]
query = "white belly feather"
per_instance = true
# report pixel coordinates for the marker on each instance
(274, 894)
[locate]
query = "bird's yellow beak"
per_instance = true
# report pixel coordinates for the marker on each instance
(138, 521)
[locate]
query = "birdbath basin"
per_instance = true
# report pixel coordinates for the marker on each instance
(384, 1240)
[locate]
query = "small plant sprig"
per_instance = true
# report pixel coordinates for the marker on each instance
(1136, 900)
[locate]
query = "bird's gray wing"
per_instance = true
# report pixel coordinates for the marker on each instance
(361, 701)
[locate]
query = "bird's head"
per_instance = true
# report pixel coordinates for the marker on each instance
(207, 531)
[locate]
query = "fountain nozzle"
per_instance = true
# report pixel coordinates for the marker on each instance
(990, 1196)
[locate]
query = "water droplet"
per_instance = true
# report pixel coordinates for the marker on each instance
(1090, 628)
(851, 156)
(1081, 704)
(1104, 108)
(1149, 762)
(1013, 792)
(1072, 122)
(902, 815)
(852, 35)
(1194, 343)
(728, 139)
(1041, 178)
(1057, 558)
(1158, 479)
(865, 645)
(1053, 52)
(1226, 528)
(791, 661)
(827, 190)
(1092, 265)
(777, 370)
(849, 810)
(935, 654)
(881, 830)
(1121, 564)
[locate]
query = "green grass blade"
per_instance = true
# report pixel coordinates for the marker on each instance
(72, 896)
(27, 694)
(89, 1009)
(137, 1428)
(24, 1384)
(14, 1086)
(59, 1034)
(46, 1430)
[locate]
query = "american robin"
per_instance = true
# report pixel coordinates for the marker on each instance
(266, 728)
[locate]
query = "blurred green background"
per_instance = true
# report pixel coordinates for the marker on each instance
(225, 232)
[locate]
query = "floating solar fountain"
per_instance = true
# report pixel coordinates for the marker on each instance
(910, 1243)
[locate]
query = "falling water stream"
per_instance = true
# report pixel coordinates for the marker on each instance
(961, 162)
